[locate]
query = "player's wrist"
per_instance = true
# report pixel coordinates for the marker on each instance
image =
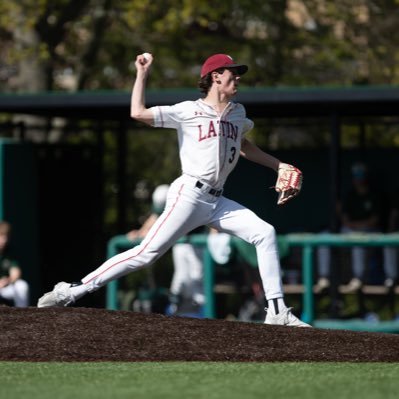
(280, 165)
(142, 73)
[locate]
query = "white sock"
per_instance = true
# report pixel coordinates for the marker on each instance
(275, 305)
(77, 291)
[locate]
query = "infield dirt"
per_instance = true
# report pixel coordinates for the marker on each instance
(83, 334)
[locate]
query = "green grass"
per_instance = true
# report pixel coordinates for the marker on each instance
(198, 380)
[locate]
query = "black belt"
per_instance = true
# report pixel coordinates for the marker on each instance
(212, 191)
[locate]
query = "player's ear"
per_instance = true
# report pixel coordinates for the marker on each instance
(215, 77)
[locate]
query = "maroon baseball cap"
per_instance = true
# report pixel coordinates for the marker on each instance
(218, 61)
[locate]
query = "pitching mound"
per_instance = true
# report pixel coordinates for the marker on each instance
(81, 334)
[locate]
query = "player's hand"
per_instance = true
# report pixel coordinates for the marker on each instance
(4, 281)
(132, 235)
(289, 183)
(143, 62)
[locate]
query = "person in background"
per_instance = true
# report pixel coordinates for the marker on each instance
(158, 204)
(187, 296)
(360, 212)
(186, 293)
(14, 290)
(391, 253)
(323, 256)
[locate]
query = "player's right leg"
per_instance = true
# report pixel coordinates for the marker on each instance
(182, 214)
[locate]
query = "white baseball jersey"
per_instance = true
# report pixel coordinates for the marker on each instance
(209, 146)
(209, 143)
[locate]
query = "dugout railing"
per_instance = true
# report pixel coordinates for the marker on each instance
(308, 243)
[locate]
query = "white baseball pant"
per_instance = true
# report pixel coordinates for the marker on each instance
(187, 208)
(187, 278)
(18, 292)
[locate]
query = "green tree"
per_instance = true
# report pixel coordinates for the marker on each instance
(286, 42)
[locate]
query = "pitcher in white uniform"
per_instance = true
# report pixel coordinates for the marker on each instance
(211, 134)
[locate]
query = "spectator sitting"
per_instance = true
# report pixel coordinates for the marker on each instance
(360, 213)
(13, 290)
(391, 253)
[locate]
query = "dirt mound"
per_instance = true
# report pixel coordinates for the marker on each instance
(82, 334)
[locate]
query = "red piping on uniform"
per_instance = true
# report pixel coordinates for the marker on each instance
(155, 233)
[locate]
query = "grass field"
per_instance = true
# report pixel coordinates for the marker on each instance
(198, 380)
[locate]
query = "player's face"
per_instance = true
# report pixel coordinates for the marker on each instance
(229, 81)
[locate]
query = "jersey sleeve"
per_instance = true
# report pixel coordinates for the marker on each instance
(248, 125)
(168, 116)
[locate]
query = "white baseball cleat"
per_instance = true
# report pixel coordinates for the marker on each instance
(285, 318)
(59, 296)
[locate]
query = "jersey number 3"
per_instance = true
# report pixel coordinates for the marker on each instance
(233, 151)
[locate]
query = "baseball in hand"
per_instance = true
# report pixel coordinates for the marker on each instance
(147, 56)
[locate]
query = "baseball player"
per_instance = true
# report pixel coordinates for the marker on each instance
(211, 136)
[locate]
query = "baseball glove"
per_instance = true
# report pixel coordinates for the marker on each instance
(289, 183)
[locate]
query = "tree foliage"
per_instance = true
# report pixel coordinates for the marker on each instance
(91, 44)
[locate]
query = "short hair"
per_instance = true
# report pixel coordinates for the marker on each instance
(205, 83)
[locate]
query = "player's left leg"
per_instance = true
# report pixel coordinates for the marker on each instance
(233, 218)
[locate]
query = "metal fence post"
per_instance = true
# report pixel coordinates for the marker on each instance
(308, 299)
(209, 280)
(112, 295)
